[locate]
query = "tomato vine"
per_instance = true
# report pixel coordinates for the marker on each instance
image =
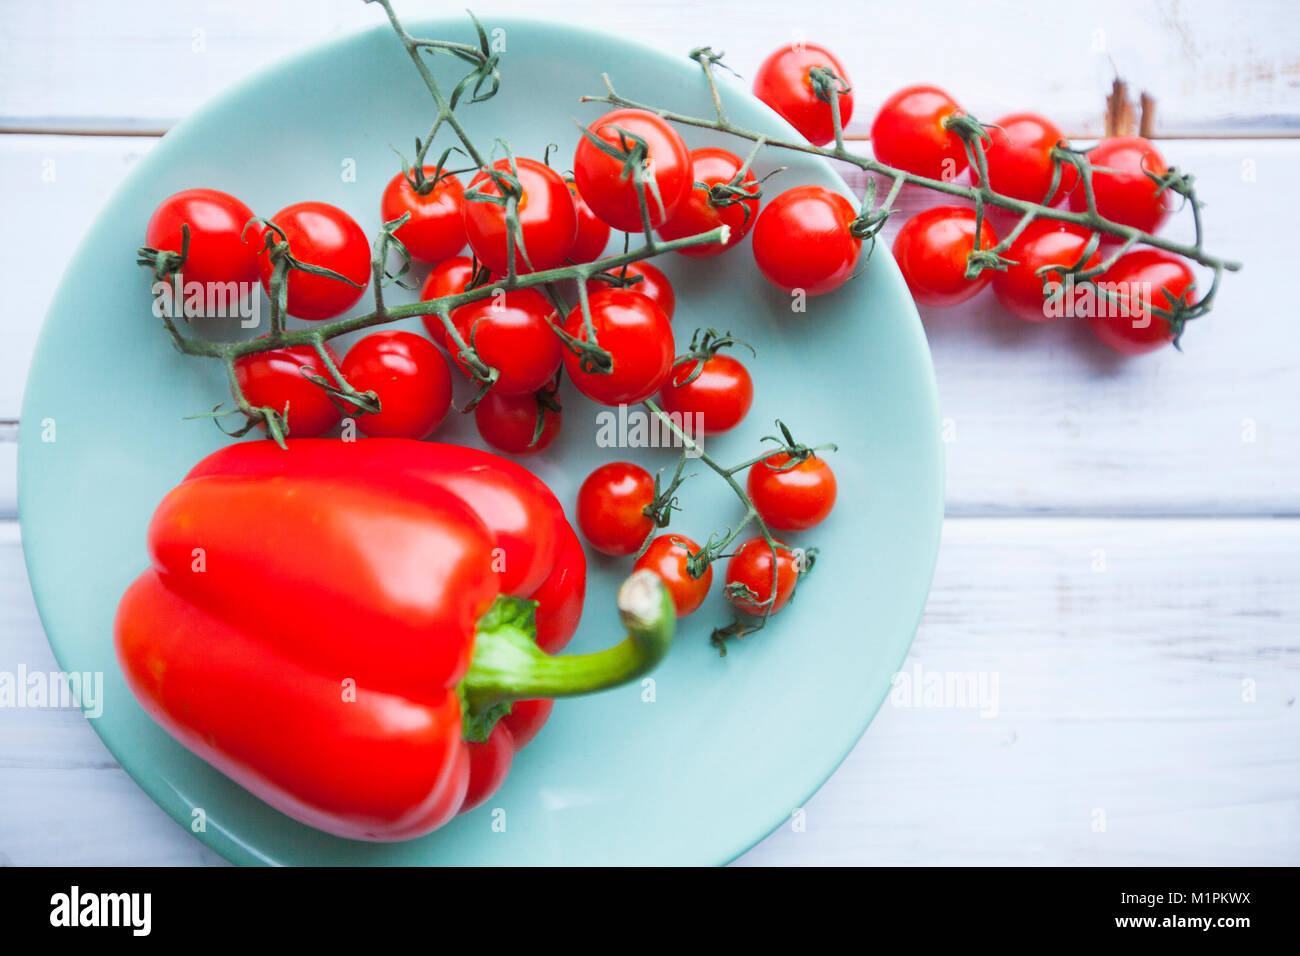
(481, 82)
(974, 135)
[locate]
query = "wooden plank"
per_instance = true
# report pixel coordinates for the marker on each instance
(1146, 674)
(54, 189)
(98, 66)
(1121, 650)
(8, 473)
(1038, 418)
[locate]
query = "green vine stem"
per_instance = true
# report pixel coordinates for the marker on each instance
(718, 544)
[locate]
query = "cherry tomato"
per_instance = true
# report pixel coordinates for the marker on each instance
(436, 229)
(611, 192)
(593, 234)
(712, 166)
(636, 334)
(1141, 279)
(667, 557)
(751, 566)
(721, 394)
(611, 507)
(802, 240)
(1019, 156)
(653, 284)
(908, 133)
(1127, 195)
(274, 379)
(1020, 288)
(792, 497)
(547, 219)
(321, 235)
(217, 250)
(931, 251)
(509, 422)
(512, 333)
(449, 277)
(526, 718)
(410, 377)
(783, 82)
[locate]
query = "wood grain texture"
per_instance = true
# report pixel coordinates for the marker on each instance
(1039, 418)
(1148, 674)
(84, 64)
(1126, 655)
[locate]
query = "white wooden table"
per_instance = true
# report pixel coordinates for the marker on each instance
(1122, 552)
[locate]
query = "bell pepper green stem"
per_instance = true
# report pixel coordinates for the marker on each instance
(508, 665)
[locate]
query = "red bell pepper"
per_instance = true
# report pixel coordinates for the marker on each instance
(359, 633)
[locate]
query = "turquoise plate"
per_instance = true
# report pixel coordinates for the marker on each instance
(693, 769)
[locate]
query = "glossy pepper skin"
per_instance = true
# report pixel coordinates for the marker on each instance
(315, 622)
(539, 558)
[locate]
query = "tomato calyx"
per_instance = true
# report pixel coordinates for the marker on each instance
(707, 57)
(796, 453)
(737, 190)
(508, 666)
(741, 594)
(722, 195)
(1179, 312)
(592, 359)
(663, 504)
(482, 82)
(346, 399)
(421, 183)
(705, 343)
(276, 248)
(622, 279)
(388, 240)
(867, 225)
(548, 400)
(634, 153)
(276, 421)
(969, 129)
(871, 219)
(828, 86)
(163, 262)
(1174, 181)
(980, 260)
(714, 549)
(510, 193)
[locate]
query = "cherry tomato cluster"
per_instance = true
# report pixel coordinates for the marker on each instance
(913, 132)
(515, 214)
(809, 238)
(621, 507)
(327, 261)
(806, 239)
